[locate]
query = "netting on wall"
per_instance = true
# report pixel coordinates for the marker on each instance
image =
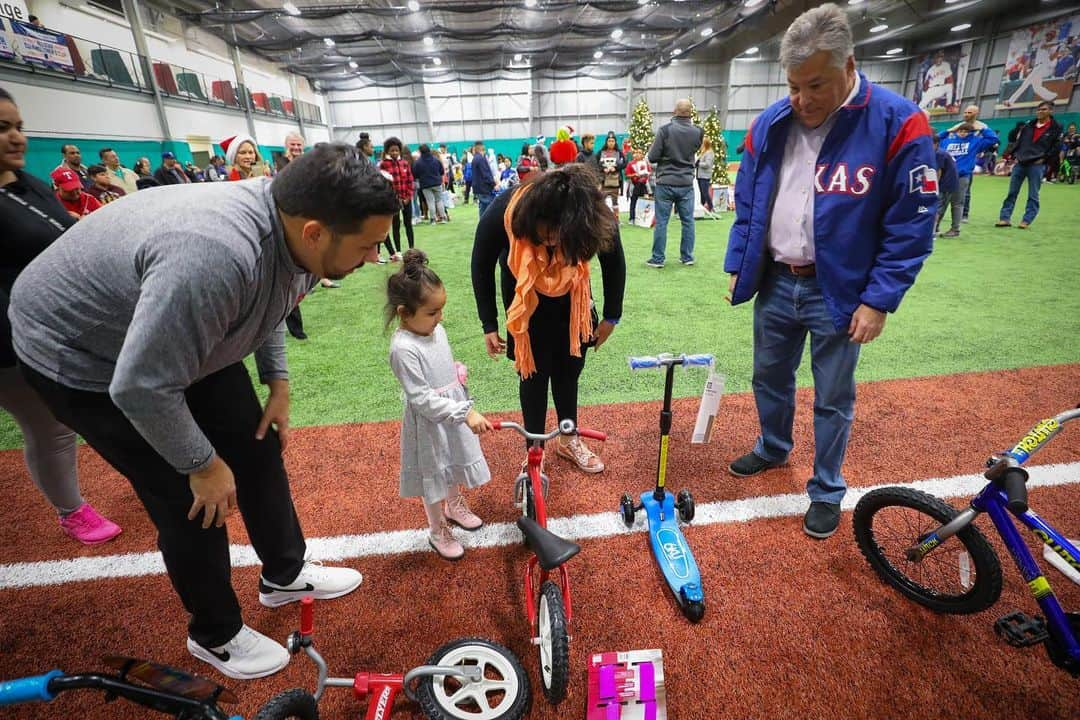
(350, 46)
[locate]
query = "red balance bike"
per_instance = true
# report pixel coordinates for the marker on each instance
(467, 679)
(549, 609)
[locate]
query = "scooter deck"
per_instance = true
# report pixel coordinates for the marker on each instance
(670, 549)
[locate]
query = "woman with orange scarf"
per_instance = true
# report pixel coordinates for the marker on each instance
(543, 235)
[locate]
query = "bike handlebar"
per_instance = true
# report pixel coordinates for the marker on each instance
(646, 362)
(1015, 484)
(28, 689)
(566, 427)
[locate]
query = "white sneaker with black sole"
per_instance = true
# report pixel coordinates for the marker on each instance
(314, 580)
(249, 655)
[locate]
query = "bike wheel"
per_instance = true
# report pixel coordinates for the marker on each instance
(960, 576)
(295, 704)
(502, 693)
(554, 647)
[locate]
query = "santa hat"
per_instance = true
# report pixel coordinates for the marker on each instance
(231, 145)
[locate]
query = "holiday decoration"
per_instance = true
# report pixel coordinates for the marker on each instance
(715, 135)
(694, 117)
(641, 127)
(563, 150)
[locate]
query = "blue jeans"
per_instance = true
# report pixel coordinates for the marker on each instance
(683, 199)
(786, 309)
(1034, 175)
(483, 201)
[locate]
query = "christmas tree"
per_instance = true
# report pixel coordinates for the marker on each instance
(716, 136)
(694, 117)
(641, 129)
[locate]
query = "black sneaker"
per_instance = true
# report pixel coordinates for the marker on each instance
(751, 464)
(821, 519)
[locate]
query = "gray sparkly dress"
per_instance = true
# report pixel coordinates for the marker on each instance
(437, 448)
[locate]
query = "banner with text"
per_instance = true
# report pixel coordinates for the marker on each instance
(42, 47)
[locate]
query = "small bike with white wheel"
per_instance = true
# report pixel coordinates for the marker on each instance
(467, 679)
(549, 609)
(934, 555)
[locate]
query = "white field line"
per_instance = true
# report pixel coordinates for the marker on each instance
(577, 527)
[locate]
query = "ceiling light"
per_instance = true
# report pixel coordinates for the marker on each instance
(751, 50)
(530, 3)
(437, 61)
(753, 3)
(854, 2)
(950, 2)
(598, 54)
(517, 57)
(676, 52)
(880, 27)
(428, 40)
(960, 28)
(413, 5)
(894, 51)
(616, 33)
(706, 32)
(353, 65)
(290, 8)
(642, 2)
(329, 42)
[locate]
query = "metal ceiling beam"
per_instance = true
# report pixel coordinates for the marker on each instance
(134, 18)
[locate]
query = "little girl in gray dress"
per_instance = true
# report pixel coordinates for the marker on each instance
(439, 447)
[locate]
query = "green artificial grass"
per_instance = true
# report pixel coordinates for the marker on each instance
(990, 299)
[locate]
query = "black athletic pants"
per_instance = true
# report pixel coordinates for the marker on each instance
(549, 337)
(225, 406)
(405, 216)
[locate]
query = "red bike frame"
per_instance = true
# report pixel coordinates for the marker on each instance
(536, 457)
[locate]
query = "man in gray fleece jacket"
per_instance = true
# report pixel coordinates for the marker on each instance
(672, 154)
(133, 327)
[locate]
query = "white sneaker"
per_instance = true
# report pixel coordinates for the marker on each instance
(314, 580)
(247, 656)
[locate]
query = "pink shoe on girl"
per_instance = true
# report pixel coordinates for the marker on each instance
(444, 543)
(88, 526)
(457, 511)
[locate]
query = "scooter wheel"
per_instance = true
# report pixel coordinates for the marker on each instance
(685, 502)
(626, 507)
(694, 610)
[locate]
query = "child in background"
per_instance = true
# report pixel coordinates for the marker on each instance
(964, 144)
(947, 181)
(638, 173)
(439, 447)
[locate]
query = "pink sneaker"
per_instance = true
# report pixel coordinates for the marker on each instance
(444, 543)
(457, 511)
(88, 526)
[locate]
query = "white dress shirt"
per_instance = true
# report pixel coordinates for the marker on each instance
(791, 227)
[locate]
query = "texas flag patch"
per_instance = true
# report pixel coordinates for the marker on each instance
(923, 179)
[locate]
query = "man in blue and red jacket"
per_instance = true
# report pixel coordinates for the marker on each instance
(835, 203)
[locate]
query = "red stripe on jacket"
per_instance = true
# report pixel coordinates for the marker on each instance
(915, 126)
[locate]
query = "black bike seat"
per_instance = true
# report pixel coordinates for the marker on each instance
(550, 549)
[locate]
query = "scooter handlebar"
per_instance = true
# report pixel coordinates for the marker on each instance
(28, 689)
(657, 361)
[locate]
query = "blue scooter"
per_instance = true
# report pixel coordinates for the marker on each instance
(668, 544)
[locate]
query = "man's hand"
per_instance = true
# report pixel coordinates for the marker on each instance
(276, 412)
(496, 346)
(602, 333)
(866, 324)
(214, 490)
(731, 287)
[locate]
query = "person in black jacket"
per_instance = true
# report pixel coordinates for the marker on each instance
(483, 180)
(1036, 144)
(428, 171)
(557, 222)
(32, 219)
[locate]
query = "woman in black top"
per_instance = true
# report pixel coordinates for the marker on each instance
(543, 235)
(32, 219)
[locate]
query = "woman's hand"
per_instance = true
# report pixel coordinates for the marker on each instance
(496, 346)
(603, 332)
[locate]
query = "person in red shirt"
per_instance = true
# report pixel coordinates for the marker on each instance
(103, 190)
(400, 171)
(71, 195)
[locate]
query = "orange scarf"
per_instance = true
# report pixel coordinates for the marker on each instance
(539, 269)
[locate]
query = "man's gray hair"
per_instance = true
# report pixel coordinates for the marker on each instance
(823, 28)
(293, 134)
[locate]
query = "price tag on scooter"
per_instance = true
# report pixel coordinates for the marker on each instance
(707, 410)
